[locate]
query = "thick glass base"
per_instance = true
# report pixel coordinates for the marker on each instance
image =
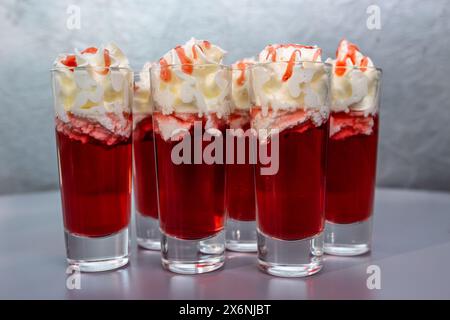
(193, 256)
(296, 258)
(97, 254)
(241, 235)
(348, 239)
(148, 233)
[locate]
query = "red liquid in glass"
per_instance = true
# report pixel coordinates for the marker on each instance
(291, 202)
(240, 185)
(351, 173)
(144, 169)
(95, 185)
(191, 196)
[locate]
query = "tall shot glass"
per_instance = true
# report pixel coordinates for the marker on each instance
(93, 135)
(290, 116)
(144, 166)
(352, 158)
(191, 104)
(240, 180)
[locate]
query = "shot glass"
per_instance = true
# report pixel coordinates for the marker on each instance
(240, 180)
(93, 135)
(191, 103)
(144, 166)
(352, 158)
(290, 116)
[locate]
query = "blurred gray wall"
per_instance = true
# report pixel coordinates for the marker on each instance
(412, 47)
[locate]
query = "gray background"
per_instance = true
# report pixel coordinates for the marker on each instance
(412, 47)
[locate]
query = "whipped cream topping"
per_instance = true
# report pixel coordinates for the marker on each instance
(94, 84)
(355, 80)
(190, 79)
(290, 76)
(142, 102)
(288, 52)
(241, 84)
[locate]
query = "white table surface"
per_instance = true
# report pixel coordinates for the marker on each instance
(411, 247)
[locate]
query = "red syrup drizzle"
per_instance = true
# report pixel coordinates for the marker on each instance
(71, 60)
(272, 53)
(187, 64)
(341, 59)
(241, 66)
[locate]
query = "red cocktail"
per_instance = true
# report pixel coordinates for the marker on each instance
(352, 168)
(145, 169)
(191, 94)
(290, 116)
(191, 196)
(352, 152)
(291, 202)
(240, 179)
(240, 187)
(93, 122)
(95, 183)
(148, 235)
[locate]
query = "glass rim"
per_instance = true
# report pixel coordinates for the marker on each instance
(172, 65)
(286, 62)
(359, 67)
(60, 68)
(329, 64)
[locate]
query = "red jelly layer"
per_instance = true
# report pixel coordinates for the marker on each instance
(240, 184)
(95, 185)
(351, 169)
(145, 169)
(191, 196)
(291, 202)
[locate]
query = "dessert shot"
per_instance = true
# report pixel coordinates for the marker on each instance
(191, 92)
(290, 115)
(92, 98)
(144, 166)
(352, 151)
(240, 182)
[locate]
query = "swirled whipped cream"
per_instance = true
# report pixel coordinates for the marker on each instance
(290, 87)
(355, 80)
(93, 86)
(142, 102)
(190, 79)
(241, 84)
(290, 77)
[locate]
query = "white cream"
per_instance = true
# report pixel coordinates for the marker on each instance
(240, 88)
(99, 85)
(355, 81)
(290, 77)
(142, 102)
(193, 81)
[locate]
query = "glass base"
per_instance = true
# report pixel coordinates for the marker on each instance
(97, 254)
(241, 236)
(148, 233)
(193, 256)
(348, 239)
(295, 258)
